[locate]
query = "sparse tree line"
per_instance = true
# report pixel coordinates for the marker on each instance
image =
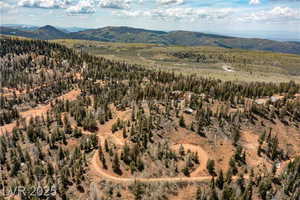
(240, 59)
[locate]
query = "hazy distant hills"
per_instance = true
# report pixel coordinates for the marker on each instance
(25, 27)
(21, 27)
(49, 33)
(135, 35)
(122, 34)
(43, 33)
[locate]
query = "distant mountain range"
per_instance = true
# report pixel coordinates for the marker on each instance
(25, 27)
(136, 35)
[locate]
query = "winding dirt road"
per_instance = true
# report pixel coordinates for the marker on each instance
(105, 133)
(95, 165)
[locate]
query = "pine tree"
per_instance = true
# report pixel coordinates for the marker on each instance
(50, 169)
(213, 195)
(236, 136)
(124, 132)
(140, 164)
(100, 153)
(259, 150)
(192, 127)
(241, 182)
(200, 195)
(181, 151)
(228, 193)
(233, 167)
(211, 167)
(186, 171)
(228, 176)
(181, 121)
(138, 191)
(77, 133)
(126, 154)
(67, 125)
(200, 130)
(116, 164)
(106, 146)
(262, 138)
(220, 180)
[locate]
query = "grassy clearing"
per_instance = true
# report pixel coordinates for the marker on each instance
(247, 65)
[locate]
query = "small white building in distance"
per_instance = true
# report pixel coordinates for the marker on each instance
(189, 111)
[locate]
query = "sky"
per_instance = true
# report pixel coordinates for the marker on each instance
(273, 19)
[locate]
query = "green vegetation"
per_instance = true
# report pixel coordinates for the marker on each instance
(135, 35)
(100, 116)
(203, 61)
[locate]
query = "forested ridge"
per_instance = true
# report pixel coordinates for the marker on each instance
(140, 123)
(137, 35)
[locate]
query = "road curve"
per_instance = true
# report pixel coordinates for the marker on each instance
(95, 164)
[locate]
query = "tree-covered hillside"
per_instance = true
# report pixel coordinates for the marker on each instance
(135, 35)
(79, 126)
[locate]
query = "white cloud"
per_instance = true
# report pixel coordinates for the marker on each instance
(254, 2)
(89, 6)
(190, 14)
(167, 2)
(135, 13)
(115, 4)
(4, 7)
(44, 3)
(277, 14)
(82, 7)
(78, 6)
